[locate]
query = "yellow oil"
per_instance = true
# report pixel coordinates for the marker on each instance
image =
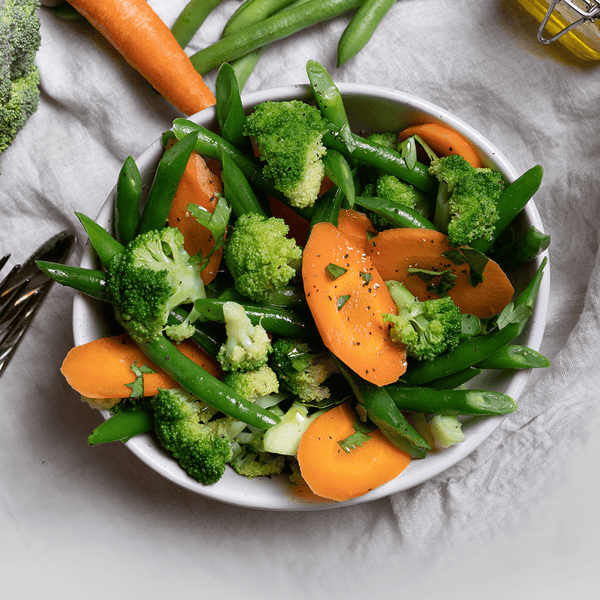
(583, 41)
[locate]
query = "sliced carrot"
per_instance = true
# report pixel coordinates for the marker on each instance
(394, 251)
(199, 185)
(333, 473)
(355, 225)
(102, 368)
(147, 44)
(444, 141)
(347, 310)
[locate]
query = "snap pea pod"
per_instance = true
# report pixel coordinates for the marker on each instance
(514, 356)
(512, 201)
(191, 18)
(340, 173)
(126, 209)
(521, 250)
(286, 322)
(204, 386)
(473, 350)
(166, 181)
(102, 241)
(276, 27)
(238, 191)
(382, 158)
(91, 282)
(229, 109)
(450, 401)
(122, 426)
(399, 216)
(455, 380)
(327, 95)
(382, 411)
(327, 207)
(361, 28)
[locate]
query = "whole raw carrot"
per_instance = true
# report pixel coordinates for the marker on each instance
(148, 45)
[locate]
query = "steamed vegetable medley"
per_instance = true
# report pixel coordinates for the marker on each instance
(292, 297)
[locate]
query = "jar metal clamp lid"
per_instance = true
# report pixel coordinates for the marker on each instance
(587, 10)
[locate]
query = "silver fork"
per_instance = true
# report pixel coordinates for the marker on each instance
(22, 291)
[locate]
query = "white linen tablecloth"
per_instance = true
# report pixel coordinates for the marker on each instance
(516, 519)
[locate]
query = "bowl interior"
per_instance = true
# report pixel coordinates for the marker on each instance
(369, 109)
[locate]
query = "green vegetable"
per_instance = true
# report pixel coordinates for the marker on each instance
(19, 75)
(446, 430)
(122, 426)
(253, 384)
(259, 256)
(521, 250)
(515, 356)
(89, 281)
(191, 19)
(361, 28)
(426, 328)
(104, 244)
(229, 108)
(126, 209)
(327, 96)
(276, 27)
(386, 214)
(288, 136)
(338, 170)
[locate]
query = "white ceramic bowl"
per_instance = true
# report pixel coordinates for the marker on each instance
(369, 109)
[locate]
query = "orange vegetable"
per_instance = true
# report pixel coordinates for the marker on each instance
(444, 141)
(199, 185)
(347, 310)
(330, 472)
(102, 368)
(394, 251)
(355, 226)
(148, 45)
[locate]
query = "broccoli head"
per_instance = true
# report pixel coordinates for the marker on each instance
(151, 278)
(253, 384)
(426, 328)
(249, 460)
(259, 256)
(388, 139)
(19, 75)
(247, 346)
(289, 139)
(301, 371)
(202, 449)
(466, 205)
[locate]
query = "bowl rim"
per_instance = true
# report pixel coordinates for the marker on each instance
(281, 499)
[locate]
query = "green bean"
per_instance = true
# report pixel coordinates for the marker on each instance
(204, 386)
(104, 244)
(381, 410)
(399, 216)
(521, 250)
(229, 109)
(327, 95)
(238, 191)
(512, 201)
(287, 322)
(126, 210)
(90, 282)
(166, 181)
(514, 356)
(275, 27)
(205, 337)
(327, 207)
(455, 380)
(361, 28)
(382, 158)
(338, 170)
(122, 426)
(450, 401)
(191, 18)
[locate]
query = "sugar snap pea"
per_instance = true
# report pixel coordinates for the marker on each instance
(399, 216)
(327, 95)
(276, 27)
(90, 282)
(327, 207)
(454, 380)
(126, 209)
(514, 356)
(122, 426)
(191, 18)
(340, 173)
(166, 181)
(229, 109)
(361, 28)
(105, 245)
(521, 250)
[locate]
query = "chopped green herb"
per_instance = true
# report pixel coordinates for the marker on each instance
(342, 300)
(476, 260)
(366, 276)
(438, 282)
(137, 386)
(335, 271)
(359, 437)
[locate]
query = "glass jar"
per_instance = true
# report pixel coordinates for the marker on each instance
(572, 23)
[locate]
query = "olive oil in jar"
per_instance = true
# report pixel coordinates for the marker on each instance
(572, 23)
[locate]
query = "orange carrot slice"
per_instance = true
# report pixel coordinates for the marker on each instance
(444, 141)
(199, 185)
(332, 473)
(394, 251)
(355, 225)
(347, 310)
(147, 44)
(102, 368)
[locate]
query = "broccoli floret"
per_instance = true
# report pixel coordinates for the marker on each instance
(247, 346)
(301, 371)
(253, 384)
(152, 277)
(252, 462)
(19, 75)
(388, 139)
(466, 204)
(202, 449)
(259, 256)
(289, 139)
(426, 328)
